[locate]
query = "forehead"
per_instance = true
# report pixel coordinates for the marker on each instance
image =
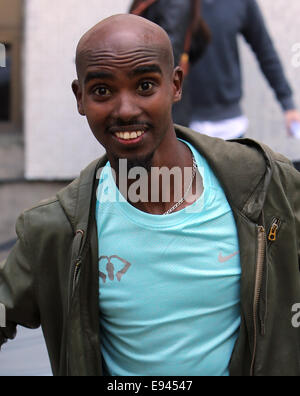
(124, 50)
(123, 59)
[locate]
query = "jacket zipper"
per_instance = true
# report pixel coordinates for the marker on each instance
(258, 283)
(77, 266)
(272, 237)
(263, 241)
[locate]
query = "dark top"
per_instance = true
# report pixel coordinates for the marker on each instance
(174, 17)
(215, 80)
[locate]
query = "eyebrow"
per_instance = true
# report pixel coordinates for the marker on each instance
(105, 75)
(100, 75)
(146, 69)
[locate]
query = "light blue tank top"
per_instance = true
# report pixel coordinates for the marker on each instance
(169, 285)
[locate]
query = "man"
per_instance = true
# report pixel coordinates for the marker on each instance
(216, 81)
(205, 284)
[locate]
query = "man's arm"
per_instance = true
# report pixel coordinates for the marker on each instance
(256, 34)
(17, 290)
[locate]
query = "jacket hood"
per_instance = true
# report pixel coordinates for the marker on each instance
(243, 167)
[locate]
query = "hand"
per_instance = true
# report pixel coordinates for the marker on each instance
(290, 117)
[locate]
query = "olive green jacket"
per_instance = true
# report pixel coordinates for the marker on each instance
(51, 276)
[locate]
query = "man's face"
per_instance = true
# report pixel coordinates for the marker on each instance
(126, 91)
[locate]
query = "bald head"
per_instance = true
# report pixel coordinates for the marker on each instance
(122, 35)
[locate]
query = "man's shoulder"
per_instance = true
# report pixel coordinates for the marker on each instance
(46, 216)
(222, 153)
(52, 202)
(62, 210)
(232, 151)
(244, 167)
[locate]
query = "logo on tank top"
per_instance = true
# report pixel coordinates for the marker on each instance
(224, 259)
(113, 267)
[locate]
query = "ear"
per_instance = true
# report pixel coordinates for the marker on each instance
(76, 88)
(177, 83)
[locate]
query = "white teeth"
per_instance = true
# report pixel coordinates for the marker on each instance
(129, 135)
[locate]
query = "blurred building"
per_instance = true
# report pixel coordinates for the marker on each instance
(11, 31)
(36, 100)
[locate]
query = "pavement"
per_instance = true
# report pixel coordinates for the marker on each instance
(27, 354)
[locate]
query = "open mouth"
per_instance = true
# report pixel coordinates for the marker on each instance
(129, 135)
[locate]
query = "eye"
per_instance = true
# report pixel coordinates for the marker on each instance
(145, 86)
(102, 91)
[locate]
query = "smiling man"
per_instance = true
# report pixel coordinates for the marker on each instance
(130, 284)
(126, 88)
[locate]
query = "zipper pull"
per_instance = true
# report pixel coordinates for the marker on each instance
(273, 231)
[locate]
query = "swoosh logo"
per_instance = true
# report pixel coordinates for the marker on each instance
(223, 259)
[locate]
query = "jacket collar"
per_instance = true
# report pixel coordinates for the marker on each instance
(243, 168)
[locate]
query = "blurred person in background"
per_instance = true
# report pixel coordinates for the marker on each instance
(188, 33)
(4, 90)
(215, 81)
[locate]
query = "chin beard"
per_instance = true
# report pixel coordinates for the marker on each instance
(142, 162)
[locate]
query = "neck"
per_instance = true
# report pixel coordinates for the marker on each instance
(159, 188)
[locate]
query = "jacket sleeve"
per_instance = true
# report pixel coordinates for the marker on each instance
(295, 180)
(256, 34)
(174, 17)
(17, 289)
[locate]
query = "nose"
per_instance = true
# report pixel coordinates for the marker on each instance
(127, 107)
